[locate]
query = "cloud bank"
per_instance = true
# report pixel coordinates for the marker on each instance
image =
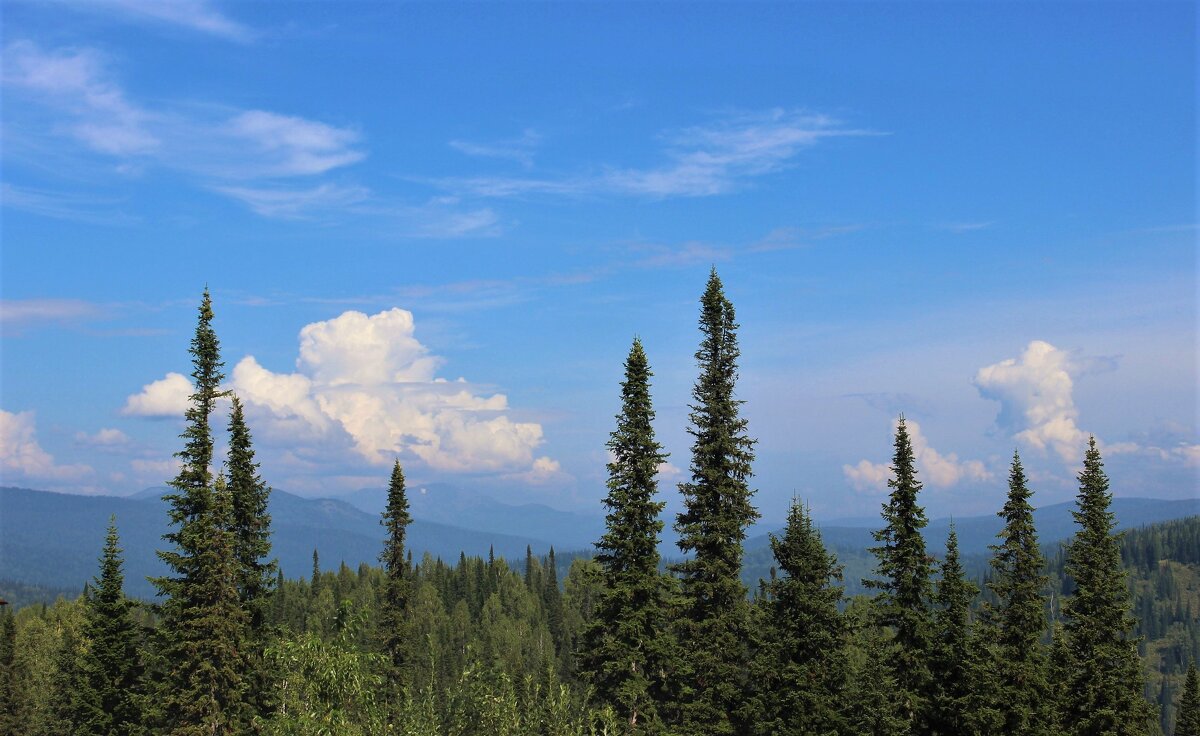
(366, 383)
(22, 459)
(937, 469)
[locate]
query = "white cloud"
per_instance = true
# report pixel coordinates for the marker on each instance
(166, 397)
(1036, 401)
(701, 161)
(367, 379)
(23, 459)
(74, 80)
(157, 472)
(296, 203)
(935, 468)
(106, 437)
(222, 147)
(17, 313)
(294, 146)
(519, 150)
(196, 15)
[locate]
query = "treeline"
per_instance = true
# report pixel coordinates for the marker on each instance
(623, 646)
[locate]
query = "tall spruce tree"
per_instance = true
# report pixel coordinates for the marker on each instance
(251, 528)
(203, 621)
(627, 647)
(952, 657)
(1017, 622)
(903, 602)
(251, 522)
(802, 669)
(397, 583)
(1104, 685)
(106, 703)
(717, 511)
(1187, 718)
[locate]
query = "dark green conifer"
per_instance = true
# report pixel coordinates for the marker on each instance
(627, 646)
(251, 522)
(203, 622)
(952, 657)
(717, 511)
(1187, 718)
(1016, 624)
(802, 667)
(396, 593)
(1103, 694)
(903, 603)
(106, 702)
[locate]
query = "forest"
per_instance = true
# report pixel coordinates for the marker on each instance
(1094, 637)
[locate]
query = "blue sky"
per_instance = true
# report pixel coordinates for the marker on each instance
(432, 230)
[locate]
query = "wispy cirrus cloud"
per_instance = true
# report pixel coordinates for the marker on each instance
(701, 161)
(19, 314)
(196, 15)
(272, 163)
(519, 150)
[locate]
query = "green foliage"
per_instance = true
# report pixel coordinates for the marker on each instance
(105, 701)
(1016, 624)
(713, 628)
(873, 705)
(1104, 679)
(251, 524)
(953, 659)
(202, 636)
(801, 661)
(1187, 722)
(902, 604)
(324, 688)
(628, 646)
(397, 586)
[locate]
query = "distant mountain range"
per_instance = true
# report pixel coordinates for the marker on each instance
(53, 540)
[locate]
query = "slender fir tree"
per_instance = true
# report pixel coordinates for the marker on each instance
(952, 658)
(251, 522)
(1016, 624)
(802, 660)
(1187, 718)
(627, 647)
(717, 511)
(396, 593)
(903, 603)
(1104, 685)
(203, 622)
(106, 703)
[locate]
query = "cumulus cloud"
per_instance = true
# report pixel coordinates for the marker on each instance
(105, 438)
(1036, 401)
(367, 379)
(166, 397)
(23, 459)
(942, 470)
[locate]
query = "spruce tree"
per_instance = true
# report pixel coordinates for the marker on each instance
(106, 702)
(203, 621)
(251, 522)
(1187, 718)
(712, 527)
(902, 604)
(802, 666)
(1104, 686)
(396, 593)
(627, 646)
(952, 657)
(1017, 622)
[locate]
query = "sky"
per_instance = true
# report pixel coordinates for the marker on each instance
(431, 232)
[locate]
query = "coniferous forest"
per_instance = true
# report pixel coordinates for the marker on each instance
(1097, 637)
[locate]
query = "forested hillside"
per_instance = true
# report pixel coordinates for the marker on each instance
(1087, 638)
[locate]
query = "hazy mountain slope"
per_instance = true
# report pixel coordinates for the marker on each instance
(54, 539)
